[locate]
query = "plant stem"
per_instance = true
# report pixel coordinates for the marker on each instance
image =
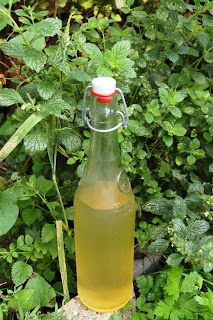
(57, 188)
(20, 133)
(61, 257)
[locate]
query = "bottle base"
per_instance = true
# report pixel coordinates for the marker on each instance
(103, 310)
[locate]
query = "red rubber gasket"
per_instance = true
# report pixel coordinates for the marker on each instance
(103, 98)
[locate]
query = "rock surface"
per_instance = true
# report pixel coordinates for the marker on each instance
(75, 310)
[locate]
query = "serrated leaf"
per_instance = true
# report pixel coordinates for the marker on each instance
(13, 50)
(9, 97)
(159, 246)
(8, 211)
(21, 272)
(191, 159)
(164, 169)
(179, 227)
(43, 185)
(192, 282)
(163, 309)
(48, 233)
(46, 89)
(23, 298)
(194, 144)
(104, 71)
(197, 228)
(188, 51)
(34, 59)
(36, 141)
(71, 141)
(4, 21)
(46, 28)
(174, 259)
(173, 282)
(179, 208)
(179, 130)
(204, 39)
(56, 105)
(121, 49)
(159, 207)
(168, 140)
(43, 292)
(80, 75)
(175, 111)
(93, 52)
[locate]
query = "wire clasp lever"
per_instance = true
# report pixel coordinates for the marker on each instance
(124, 117)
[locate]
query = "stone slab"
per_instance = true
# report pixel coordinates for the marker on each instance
(75, 310)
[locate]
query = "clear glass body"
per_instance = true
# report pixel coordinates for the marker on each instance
(104, 218)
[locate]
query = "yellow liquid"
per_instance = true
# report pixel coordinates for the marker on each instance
(104, 233)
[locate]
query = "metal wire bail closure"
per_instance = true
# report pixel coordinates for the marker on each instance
(124, 118)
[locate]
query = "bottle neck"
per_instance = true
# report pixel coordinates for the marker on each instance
(104, 155)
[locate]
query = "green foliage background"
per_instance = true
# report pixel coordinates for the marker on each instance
(161, 54)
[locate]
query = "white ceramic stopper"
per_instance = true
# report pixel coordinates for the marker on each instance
(104, 85)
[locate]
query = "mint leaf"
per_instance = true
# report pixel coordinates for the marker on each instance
(46, 28)
(21, 271)
(191, 159)
(48, 233)
(34, 59)
(121, 49)
(46, 89)
(179, 208)
(36, 141)
(9, 97)
(93, 52)
(174, 259)
(179, 130)
(71, 141)
(159, 246)
(8, 211)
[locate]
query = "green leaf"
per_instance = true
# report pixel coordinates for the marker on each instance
(48, 233)
(191, 159)
(4, 21)
(163, 309)
(188, 51)
(176, 112)
(144, 284)
(174, 276)
(149, 117)
(197, 228)
(121, 49)
(168, 140)
(29, 216)
(8, 211)
(159, 246)
(13, 49)
(55, 106)
(104, 71)
(164, 169)
(9, 97)
(174, 259)
(36, 141)
(192, 282)
(46, 28)
(71, 141)
(46, 88)
(93, 52)
(194, 144)
(43, 292)
(179, 208)
(204, 39)
(21, 272)
(34, 59)
(43, 185)
(22, 299)
(179, 130)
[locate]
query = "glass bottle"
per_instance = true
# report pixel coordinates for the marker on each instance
(104, 210)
